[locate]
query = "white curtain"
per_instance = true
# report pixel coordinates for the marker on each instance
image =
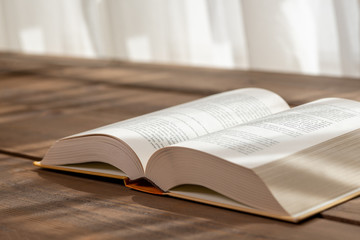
(302, 36)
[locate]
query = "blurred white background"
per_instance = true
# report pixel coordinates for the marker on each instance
(302, 36)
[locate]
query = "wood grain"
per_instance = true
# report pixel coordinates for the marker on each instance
(348, 212)
(295, 88)
(42, 204)
(43, 99)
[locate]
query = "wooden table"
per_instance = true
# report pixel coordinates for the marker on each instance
(45, 98)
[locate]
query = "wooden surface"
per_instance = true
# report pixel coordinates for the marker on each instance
(45, 98)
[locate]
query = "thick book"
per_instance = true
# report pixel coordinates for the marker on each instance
(244, 149)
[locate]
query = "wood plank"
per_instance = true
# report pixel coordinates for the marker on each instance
(21, 66)
(348, 212)
(295, 88)
(39, 204)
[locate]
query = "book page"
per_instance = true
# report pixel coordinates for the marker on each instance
(147, 133)
(277, 136)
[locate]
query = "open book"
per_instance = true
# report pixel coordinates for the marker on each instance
(243, 149)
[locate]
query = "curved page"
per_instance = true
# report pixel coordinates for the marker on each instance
(147, 133)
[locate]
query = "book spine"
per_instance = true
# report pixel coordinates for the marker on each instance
(143, 185)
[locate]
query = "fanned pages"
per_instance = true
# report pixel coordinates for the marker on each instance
(243, 149)
(135, 140)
